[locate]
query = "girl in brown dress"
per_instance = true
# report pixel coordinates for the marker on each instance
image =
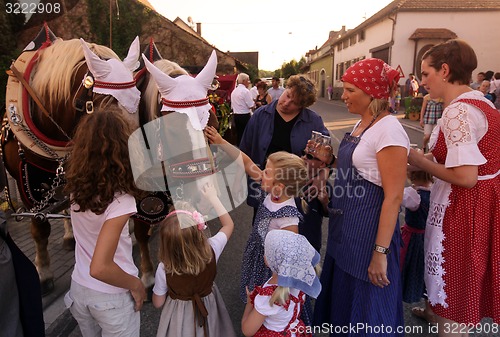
(184, 282)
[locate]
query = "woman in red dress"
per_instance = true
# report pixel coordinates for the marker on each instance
(462, 238)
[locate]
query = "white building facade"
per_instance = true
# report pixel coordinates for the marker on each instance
(402, 31)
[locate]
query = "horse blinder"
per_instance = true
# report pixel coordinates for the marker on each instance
(84, 101)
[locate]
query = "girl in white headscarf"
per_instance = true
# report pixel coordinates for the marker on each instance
(274, 308)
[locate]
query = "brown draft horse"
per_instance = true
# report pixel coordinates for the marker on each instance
(34, 141)
(24, 164)
(154, 207)
(171, 151)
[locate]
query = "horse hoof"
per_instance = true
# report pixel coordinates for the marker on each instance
(47, 287)
(69, 244)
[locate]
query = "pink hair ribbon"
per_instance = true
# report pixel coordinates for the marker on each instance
(200, 221)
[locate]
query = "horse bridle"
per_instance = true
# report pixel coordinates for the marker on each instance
(85, 101)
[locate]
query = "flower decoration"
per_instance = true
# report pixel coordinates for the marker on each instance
(197, 217)
(200, 220)
(222, 111)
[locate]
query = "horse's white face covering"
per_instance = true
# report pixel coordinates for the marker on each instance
(184, 89)
(175, 143)
(114, 71)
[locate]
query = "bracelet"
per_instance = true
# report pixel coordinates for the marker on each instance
(381, 249)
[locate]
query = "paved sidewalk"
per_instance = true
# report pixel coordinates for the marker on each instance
(415, 125)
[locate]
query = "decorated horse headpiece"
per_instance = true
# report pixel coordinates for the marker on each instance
(114, 77)
(186, 94)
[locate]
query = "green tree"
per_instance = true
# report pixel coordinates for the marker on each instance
(126, 23)
(266, 73)
(252, 71)
(300, 64)
(289, 69)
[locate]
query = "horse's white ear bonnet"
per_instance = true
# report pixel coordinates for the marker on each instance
(114, 77)
(131, 61)
(186, 94)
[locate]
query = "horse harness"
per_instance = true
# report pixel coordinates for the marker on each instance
(85, 101)
(27, 134)
(19, 126)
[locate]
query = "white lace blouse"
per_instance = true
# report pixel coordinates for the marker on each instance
(463, 126)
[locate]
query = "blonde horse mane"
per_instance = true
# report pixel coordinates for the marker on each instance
(151, 92)
(56, 67)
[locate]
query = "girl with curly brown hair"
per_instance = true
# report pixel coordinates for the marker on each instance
(106, 293)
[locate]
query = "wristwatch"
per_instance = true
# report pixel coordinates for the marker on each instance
(381, 249)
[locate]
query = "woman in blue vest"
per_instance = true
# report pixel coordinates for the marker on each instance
(361, 293)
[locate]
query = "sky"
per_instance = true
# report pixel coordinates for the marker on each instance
(278, 30)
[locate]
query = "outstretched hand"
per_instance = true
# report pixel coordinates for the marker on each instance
(209, 191)
(209, 198)
(213, 136)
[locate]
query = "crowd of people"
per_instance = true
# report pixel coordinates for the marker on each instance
(488, 83)
(447, 251)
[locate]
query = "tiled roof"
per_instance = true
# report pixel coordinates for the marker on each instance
(447, 4)
(424, 6)
(433, 33)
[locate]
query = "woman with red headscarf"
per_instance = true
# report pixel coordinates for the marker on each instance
(361, 276)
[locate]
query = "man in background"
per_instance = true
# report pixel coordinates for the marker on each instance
(253, 91)
(242, 104)
(276, 90)
(414, 86)
(479, 80)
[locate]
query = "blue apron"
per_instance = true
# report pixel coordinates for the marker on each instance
(348, 297)
(354, 215)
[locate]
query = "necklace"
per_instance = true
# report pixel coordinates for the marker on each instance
(366, 128)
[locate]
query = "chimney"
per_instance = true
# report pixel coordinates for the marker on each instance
(198, 28)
